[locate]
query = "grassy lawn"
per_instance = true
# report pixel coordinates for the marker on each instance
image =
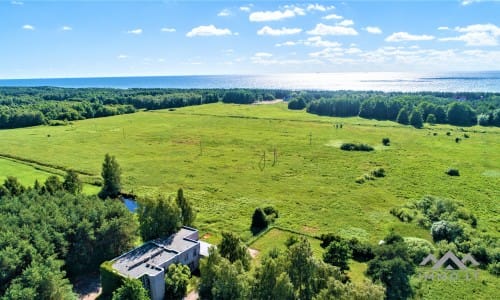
(27, 174)
(216, 153)
(276, 238)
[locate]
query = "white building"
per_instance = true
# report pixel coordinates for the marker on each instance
(150, 261)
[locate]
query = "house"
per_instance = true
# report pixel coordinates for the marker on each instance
(150, 261)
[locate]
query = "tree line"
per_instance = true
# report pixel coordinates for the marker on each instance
(32, 106)
(466, 109)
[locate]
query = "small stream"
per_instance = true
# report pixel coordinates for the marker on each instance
(131, 204)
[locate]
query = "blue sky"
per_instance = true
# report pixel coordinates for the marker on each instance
(130, 38)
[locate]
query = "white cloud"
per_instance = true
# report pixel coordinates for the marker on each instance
(322, 29)
(468, 2)
(262, 54)
(287, 44)
(66, 28)
(266, 30)
(346, 23)
(245, 8)
(135, 31)
(319, 7)
(333, 17)
(328, 53)
(28, 27)
(167, 29)
(314, 41)
(224, 13)
(405, 36)
(443, 28)
(317, 41)
(477, 35)
(373, 30)
(16, 2)
(122, 56)
(209, 30)
(264, 16)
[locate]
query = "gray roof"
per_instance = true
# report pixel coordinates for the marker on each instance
(147, 258)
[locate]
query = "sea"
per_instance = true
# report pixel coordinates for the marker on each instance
(355, 81)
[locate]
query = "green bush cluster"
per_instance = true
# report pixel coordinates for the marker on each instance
(356, 147)
(261, 218)
(453, 228)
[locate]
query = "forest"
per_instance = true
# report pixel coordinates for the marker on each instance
(32, 106)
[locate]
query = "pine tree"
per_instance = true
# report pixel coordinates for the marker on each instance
(111, 174)
(188, 214)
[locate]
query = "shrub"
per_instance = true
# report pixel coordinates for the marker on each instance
(297, 104)
(494, 268)
(271, 213)
(448, 133)
(110, 279)
(259, 221)
(457, 140)
(418, 248)
(361, 252)
(444, 230)
(386, 141)
(380, 172)
(404, 214)
(466, 135)
(356, 147)
(453, 172)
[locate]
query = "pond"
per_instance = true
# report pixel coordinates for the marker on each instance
(131, 204)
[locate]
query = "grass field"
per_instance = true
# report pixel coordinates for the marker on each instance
(216, 153)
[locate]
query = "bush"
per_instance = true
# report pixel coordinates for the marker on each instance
(494, 268)
(110, 279)
(386, 141)
(361, 252)
(444, 230)
(297, 104)
(453, 172)
(356, 147)
(380, 172)
(259, 221)
(404, 214)
(418, 248)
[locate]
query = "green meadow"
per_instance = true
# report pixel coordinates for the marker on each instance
(230, 159)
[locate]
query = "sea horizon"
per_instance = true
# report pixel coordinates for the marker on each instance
(466, 81)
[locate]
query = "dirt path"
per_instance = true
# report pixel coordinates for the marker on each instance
(193, 295)
(88, 287)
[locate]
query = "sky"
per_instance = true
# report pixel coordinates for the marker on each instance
(44, 39)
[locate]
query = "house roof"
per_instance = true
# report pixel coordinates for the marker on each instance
(146, 259)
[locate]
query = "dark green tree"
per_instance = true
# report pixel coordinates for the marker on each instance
(416, 119)
(176, 281)
(461, 114)
(271, 279)
(41, 280)
(72, 183)
(131, 289)
(187, 211)
(52, 185)
(301, 268)
(111, 175)
(13, 187)
(232, 248)
(259, 221)
(431, 119)
(338, 254)
(393, 267)
(158, 217)
(402, 117)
